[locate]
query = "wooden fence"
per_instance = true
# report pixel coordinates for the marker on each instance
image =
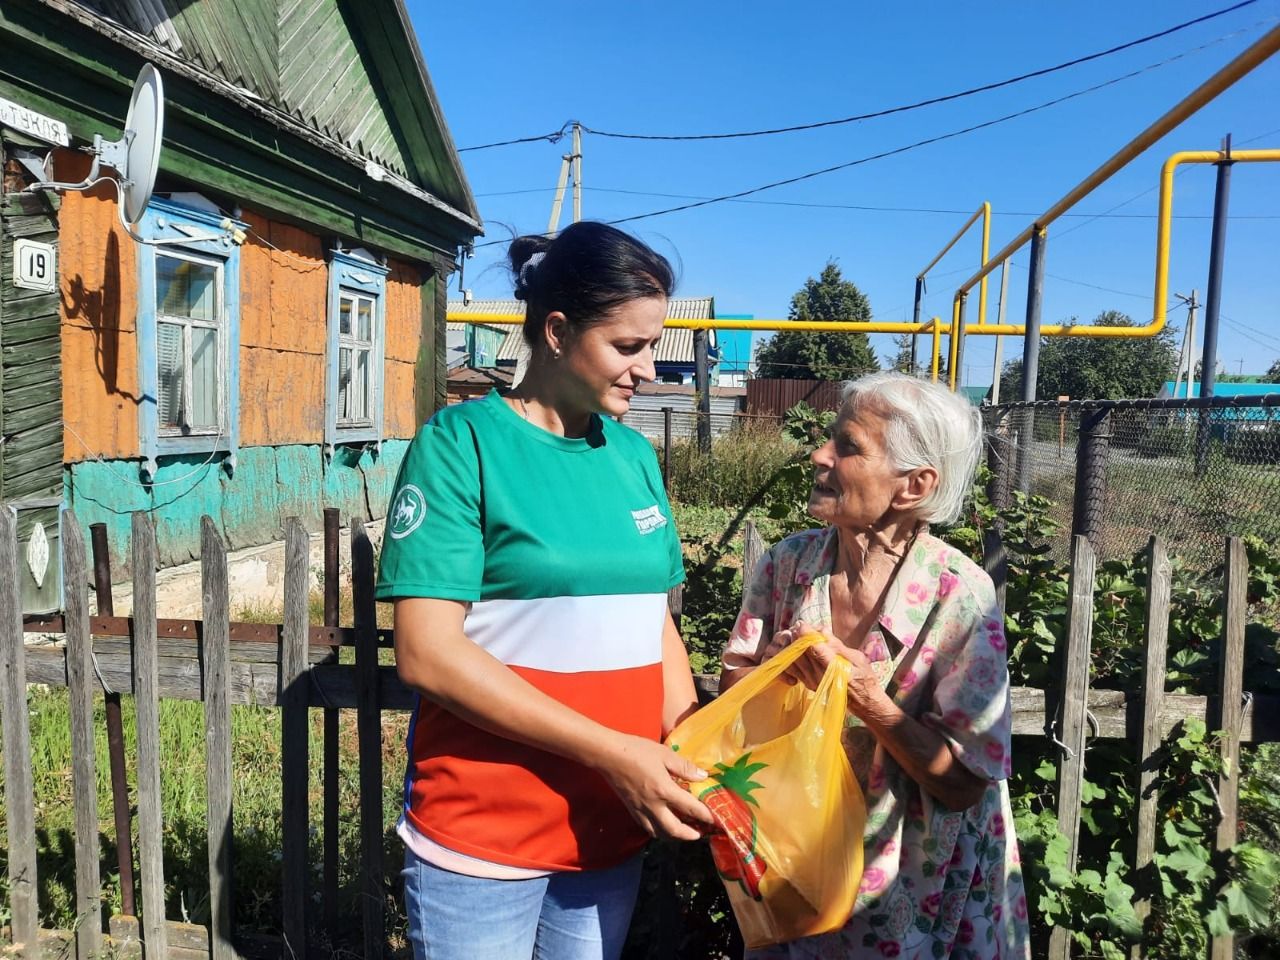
(294, 666)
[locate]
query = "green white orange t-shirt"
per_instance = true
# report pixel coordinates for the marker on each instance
(563, 550)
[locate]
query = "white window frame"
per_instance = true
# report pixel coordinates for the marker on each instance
(219, 325)
(200, 236)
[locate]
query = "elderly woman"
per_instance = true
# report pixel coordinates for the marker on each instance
(929, 720)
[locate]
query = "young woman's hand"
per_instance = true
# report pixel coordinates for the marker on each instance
(643, 773)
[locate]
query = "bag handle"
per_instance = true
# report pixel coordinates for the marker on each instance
(724, 707)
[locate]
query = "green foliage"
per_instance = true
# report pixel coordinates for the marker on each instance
(1273, 373)
(742, 465)
(1098, 368)
(1194, 894)
(802, 355)
(788, 497)
(901, 359)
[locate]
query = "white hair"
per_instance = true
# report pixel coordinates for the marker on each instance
(926, 426)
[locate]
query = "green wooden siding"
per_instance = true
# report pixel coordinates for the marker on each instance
(338, 66)
(30, 388)
(326, 82)
(211, 142)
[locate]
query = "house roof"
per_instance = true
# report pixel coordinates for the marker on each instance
(1223, 389)
(349, 76)
(676, 346)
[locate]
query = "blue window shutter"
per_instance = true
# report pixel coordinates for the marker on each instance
(355, 276)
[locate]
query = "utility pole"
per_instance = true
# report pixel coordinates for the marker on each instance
(1186, 358)
(569, 162)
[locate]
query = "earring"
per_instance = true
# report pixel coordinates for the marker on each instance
(556, 353)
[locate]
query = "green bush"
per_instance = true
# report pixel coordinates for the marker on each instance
(741, 466)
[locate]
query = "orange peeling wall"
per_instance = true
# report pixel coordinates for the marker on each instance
(283, 308)
(404, 331)
(99, 287)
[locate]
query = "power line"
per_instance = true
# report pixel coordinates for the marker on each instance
(554, 137)
(879, 209)
(1044, 71)
(1138, 196)
(920, 143)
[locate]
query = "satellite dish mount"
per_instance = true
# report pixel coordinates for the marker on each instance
(135, 158)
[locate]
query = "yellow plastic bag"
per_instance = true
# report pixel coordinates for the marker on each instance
(785, 797)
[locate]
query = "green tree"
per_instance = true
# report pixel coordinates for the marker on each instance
(901, 360)
(1273, 373)
(1098, 368)
(805, 355)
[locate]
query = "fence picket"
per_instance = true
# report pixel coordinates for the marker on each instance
(1073, 714)
(369, 734)
(332, 760)
(84, 782)
(753, 549)
(19, 801)
(121, 813)
(146, 684)
(294, 739)
(1229, 712)
(215, 647)
(995, 561)
(1155, 650)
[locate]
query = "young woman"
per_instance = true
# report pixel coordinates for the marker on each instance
(529, 549)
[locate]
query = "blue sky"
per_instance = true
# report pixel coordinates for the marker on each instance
(505, 70)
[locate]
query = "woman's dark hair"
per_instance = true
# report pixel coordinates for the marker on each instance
(584, 272)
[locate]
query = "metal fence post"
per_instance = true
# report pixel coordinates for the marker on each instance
(998, 460)
(1091, 475)
(1031, 358)
(915, 337)
(702, 389)
(666, 447)
(1213, 300)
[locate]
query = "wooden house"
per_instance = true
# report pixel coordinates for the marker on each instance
(281, 366)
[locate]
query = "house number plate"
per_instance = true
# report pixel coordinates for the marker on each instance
(35, 265)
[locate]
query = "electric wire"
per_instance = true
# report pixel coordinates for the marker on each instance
(972, 128)
(556, 135)
(911, 146)
(1044, 71)
(870, 208)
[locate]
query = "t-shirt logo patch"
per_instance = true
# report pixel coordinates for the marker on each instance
(408, 510)
(649, 519)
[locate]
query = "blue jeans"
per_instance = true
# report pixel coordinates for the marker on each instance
(563, 916)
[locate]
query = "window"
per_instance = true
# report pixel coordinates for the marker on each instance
(190, 344)
(357, 320)
(355, 359)
(188, 335)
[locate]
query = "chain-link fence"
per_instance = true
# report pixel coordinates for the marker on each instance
(1192, 470)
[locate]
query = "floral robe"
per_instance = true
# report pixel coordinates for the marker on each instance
(937, 883)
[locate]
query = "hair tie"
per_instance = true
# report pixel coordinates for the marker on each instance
(529, 266)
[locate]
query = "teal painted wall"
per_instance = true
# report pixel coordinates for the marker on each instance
(270, 484)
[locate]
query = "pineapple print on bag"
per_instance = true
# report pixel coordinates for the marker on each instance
(734, 848)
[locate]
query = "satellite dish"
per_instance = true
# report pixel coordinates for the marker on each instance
(136, 158)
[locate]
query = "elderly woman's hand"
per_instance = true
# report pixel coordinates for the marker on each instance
(865, 692)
